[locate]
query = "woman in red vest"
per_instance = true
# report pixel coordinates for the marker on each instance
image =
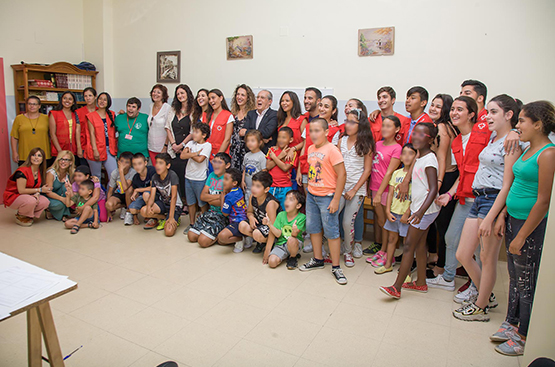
(24, 188)
(466, 148)
(65, 128)
(221, 120)
(89, 95)
(103, 146)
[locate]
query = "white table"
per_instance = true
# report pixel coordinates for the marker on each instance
(39, 315)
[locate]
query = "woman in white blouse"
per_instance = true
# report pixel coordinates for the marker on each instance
(159, 109)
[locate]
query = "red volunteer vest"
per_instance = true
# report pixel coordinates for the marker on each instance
(217, 131)
(11, 193)
(100, 136)
(468, 161)
(62, 132)
(82, 114)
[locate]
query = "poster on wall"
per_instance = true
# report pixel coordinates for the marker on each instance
(168, 67)
(376, 41)
(239, 47)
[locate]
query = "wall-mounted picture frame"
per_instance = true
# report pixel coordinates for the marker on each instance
(376, 41)
(168, 67)
(239, 47)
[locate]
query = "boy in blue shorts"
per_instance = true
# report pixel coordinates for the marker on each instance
(208, 225)
(233, 207)
(140, 184)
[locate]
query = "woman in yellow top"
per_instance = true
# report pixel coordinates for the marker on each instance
(30, 130)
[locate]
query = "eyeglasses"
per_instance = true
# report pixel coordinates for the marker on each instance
(33, 104)
(421, 134)
(65, 160)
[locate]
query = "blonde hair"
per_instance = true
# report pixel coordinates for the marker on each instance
(249, 105)
(56, 165)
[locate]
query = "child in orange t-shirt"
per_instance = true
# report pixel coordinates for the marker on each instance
(326, 181)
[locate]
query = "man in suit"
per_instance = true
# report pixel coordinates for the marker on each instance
(263, 119)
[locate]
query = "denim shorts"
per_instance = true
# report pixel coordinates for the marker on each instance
(138, 203)
(193, 190)
(482, 205)
(280, 193)
(397, 226)
(318, 216)
(426, 221)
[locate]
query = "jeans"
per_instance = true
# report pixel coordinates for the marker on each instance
(318, 216)
(349, 210)
(523, 272)
(359, 223)
(452, 238)
(111, 164)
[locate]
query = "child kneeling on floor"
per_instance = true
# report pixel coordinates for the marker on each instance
(261, 203)
(233, 207)
(89, 213)
(287, 232)
(163, 204)
(208, 225)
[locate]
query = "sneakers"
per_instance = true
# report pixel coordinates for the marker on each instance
(247, 242)
(471, 312)
(391, 292)
(465, 286)
(468, 295)
(492, 301)
(512, 347)
(161, 224)
(503, 334)
(312, 264)
(339, 276)
(440, 282)
(461, 273)
(376, 256)
(372, 249)
(292, 262)
(411, 286)
(122, 213)
(259, 248)
(383, 270)
(349, 261)
(23, 220)
(379, 262)
(128, 220)
(151, 223)
(307, 244)
(238, 247)
(327, 259)
(357, 250)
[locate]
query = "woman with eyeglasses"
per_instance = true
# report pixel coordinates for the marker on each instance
(102, 148)
(159, 109)
(30, 130)
(56, 177)
(65, 127)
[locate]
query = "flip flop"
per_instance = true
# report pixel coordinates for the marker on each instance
(75, 229)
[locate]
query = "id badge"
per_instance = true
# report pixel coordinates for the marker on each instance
(128, 136)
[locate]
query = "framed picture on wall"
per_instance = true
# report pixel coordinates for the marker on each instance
(239, 47)
(168, 67)
(376, 41)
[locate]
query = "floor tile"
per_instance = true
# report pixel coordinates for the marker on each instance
(247, 353)
(188, 303)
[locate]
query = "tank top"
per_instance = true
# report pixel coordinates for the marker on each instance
(259, 210)
(524, 191)
(354, 165)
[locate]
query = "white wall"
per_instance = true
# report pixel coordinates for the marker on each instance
(505, 43)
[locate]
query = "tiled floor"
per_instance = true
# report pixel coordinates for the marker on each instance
(144, 299)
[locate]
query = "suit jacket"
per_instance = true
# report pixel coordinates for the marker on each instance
(267, 127)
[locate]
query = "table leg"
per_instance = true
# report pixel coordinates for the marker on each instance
(50, 336)
(34, 342)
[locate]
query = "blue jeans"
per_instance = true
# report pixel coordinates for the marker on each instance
(318, 216)
(138, 203)
(452, 238)
(359, 223)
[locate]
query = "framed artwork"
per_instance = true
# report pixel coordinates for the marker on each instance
(376, 41)
(168, 67)
(239, 47)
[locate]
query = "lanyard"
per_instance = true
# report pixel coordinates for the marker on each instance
(131, 127)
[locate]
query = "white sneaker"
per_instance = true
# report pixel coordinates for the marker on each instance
(128, 219)
(122, 213)
(307, 244)
(470, 293)
(247, 242)
(238, 247)
(440, 282)
(357, 251)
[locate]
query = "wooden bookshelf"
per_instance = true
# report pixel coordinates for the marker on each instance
(23, 73)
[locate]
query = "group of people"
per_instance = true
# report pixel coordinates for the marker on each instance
(448, 184)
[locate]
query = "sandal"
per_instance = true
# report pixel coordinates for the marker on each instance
(91, 225)
(75, 229)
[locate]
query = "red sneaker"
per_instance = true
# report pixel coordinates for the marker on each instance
(327, 260)
(417, 288)
(391, 292)
(461, 273)
(464, 287)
